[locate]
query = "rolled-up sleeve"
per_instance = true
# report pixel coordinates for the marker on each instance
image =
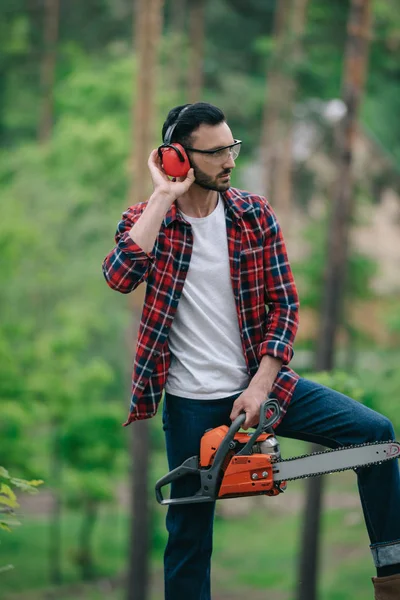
(127, 265)
(281, 295)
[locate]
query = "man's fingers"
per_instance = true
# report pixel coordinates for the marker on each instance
(190, 175)
(153, 158)
(154, 162)
(236, 410)
(189, 179)
(249, 422)
(252, 419)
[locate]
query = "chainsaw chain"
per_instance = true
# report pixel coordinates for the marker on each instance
(335, 450)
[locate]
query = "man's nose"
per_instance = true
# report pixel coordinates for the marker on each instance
(229, 163)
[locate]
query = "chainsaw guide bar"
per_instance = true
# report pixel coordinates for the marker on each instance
(233, 464)
(335, 461)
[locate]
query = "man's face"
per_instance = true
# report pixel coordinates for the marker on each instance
(212, 171)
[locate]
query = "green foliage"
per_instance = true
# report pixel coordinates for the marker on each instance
(60, 331)
(9, 503)
(381, 381)
(310, 273)
(341, 381)
(8, 499)
(91, 443)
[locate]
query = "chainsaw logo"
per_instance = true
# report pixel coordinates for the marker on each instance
(393, 450)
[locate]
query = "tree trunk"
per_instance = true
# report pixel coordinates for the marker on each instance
(273, 94)
(148, 32)
(140, 550)
(281, 177)
(277, 151)
(343, 207)
(355, 67)
(86, 560)
(56, 511)
(48, 67)
(196, 58)
(3, 75)
(177, 48)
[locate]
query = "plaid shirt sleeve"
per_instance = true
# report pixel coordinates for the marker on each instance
(281, 294)
(127, 265)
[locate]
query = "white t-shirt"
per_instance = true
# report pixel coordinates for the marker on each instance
(207, 360)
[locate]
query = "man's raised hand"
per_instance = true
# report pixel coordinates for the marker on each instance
(161, 182)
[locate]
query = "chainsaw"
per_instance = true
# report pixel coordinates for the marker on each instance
(234, 464)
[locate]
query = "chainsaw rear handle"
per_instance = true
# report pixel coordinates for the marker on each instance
(188, 467)
(210, 478)
(265, 424)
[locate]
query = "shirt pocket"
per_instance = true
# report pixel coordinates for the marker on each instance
(252, 272)
(252, 257)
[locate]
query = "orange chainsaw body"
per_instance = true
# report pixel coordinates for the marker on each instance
(243, 475)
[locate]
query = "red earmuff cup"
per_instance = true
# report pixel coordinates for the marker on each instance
(171, 162)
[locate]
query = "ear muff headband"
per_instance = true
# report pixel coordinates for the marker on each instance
(171, 128)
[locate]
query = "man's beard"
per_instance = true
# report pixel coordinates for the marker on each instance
(211, 183)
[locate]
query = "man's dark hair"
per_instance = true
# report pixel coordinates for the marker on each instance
(195, 115)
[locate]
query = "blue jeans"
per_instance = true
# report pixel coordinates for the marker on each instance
(316, 414)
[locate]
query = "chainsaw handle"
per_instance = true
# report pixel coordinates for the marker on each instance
(264, 424)
(273, 405)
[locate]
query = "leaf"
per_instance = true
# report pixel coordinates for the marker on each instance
(35, 482)
(23, 485)
(4, 473)
(7, 524)
(5, 501)
(6, 491)
(6, 568)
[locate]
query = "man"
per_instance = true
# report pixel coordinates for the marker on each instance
(213, 258)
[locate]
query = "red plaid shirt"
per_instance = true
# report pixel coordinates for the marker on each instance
(262, 281)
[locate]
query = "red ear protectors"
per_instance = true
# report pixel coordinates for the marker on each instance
(174, 159)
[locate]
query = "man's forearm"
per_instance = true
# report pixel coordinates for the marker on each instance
(267, 372)
(146, 229)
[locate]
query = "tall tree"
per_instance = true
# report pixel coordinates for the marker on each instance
(196, 58)
(355, 68)
(45, 128)
(147, 32)
(48, 67)
(281, 176)
(176, 49)
(269, 131)
(289, 25)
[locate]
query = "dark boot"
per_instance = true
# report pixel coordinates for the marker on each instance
(387, 588)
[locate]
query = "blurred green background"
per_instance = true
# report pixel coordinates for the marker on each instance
(68, 90)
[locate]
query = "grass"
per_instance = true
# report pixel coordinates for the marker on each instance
(27, 549)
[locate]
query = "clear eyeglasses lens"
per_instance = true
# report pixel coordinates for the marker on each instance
(223, 155)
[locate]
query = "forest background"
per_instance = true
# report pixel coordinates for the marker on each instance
(70, 115)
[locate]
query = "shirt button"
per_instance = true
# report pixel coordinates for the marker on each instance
(176, 296)
(156, 353)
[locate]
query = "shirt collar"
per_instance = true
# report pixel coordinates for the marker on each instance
(235, 200)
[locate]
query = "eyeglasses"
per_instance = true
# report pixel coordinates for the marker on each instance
(220, 155)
